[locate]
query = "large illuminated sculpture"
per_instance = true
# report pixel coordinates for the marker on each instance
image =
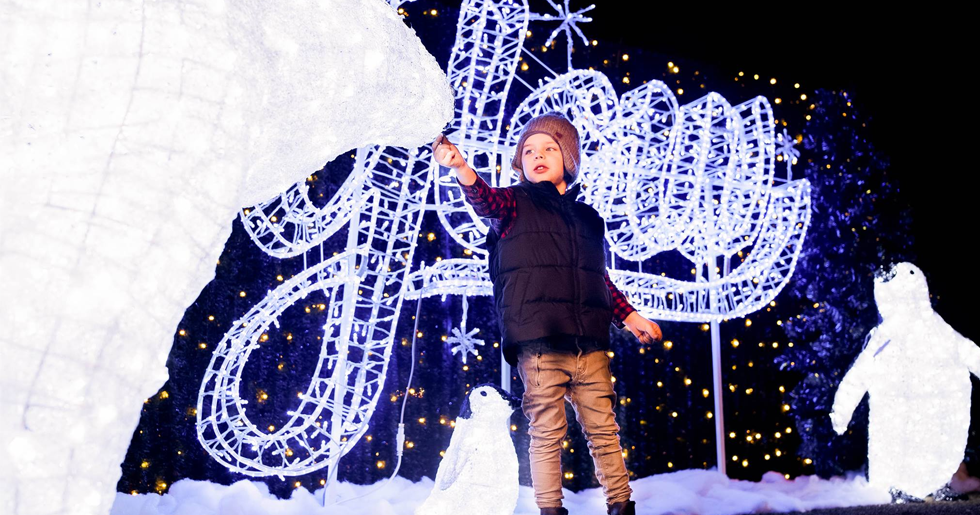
(696, 178)
(916, 370)
(131, 135)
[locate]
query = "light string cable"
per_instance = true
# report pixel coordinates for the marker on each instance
(400, 439)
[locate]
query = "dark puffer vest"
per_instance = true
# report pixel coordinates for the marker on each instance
(548, 272)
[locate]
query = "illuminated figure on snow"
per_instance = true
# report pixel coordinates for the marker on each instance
(916, 370)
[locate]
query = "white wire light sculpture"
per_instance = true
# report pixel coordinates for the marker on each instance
(697, 178)
(381, 204)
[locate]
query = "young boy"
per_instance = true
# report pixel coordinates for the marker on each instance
(554, 303)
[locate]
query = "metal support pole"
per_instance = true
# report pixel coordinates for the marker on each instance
(504, 372)
(716, 374)
(719, 409)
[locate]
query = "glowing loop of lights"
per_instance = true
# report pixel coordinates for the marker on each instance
(381, 204)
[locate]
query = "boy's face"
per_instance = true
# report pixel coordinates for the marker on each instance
(542, 161)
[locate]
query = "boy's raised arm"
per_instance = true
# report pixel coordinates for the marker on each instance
(487, 202)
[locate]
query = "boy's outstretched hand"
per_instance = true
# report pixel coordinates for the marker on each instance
(644, 330)
(446, 154)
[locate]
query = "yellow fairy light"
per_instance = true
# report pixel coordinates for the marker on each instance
(202, 345)
(772, 81)
(241, 294)
(211, 318)
(748, 323)
(513, 427)
(182, 332)
(569, 475)
(145, 464)
(687, 381)
(705, 393)
(421, 420)
(668, 344)
(709, 415)
(380, 464)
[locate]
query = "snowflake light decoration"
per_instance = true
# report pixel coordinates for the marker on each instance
(569, 22)
(463, 342)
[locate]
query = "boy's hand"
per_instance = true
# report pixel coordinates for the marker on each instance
(644, 330)
(446, 154)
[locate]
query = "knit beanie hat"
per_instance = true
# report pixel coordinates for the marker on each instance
(562, 131)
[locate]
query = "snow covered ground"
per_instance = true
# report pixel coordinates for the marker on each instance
(701, 492)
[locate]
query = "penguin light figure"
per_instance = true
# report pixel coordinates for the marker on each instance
(916, 370)
(479, 473)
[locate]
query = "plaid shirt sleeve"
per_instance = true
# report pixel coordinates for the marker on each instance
(621, 306)
(496, 203)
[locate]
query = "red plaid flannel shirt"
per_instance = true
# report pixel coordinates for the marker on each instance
(499, 205)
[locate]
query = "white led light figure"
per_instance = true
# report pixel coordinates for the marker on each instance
(381, 202)
(132, 134)
(916, 370)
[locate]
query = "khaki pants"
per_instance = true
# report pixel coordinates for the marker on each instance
(584, 380)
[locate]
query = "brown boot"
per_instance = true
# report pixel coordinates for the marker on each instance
(621, 508)
(554, 511)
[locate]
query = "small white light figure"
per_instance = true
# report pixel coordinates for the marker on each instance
(479, 473)
(916, 370)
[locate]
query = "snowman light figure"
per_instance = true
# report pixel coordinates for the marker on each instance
(916, 370)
